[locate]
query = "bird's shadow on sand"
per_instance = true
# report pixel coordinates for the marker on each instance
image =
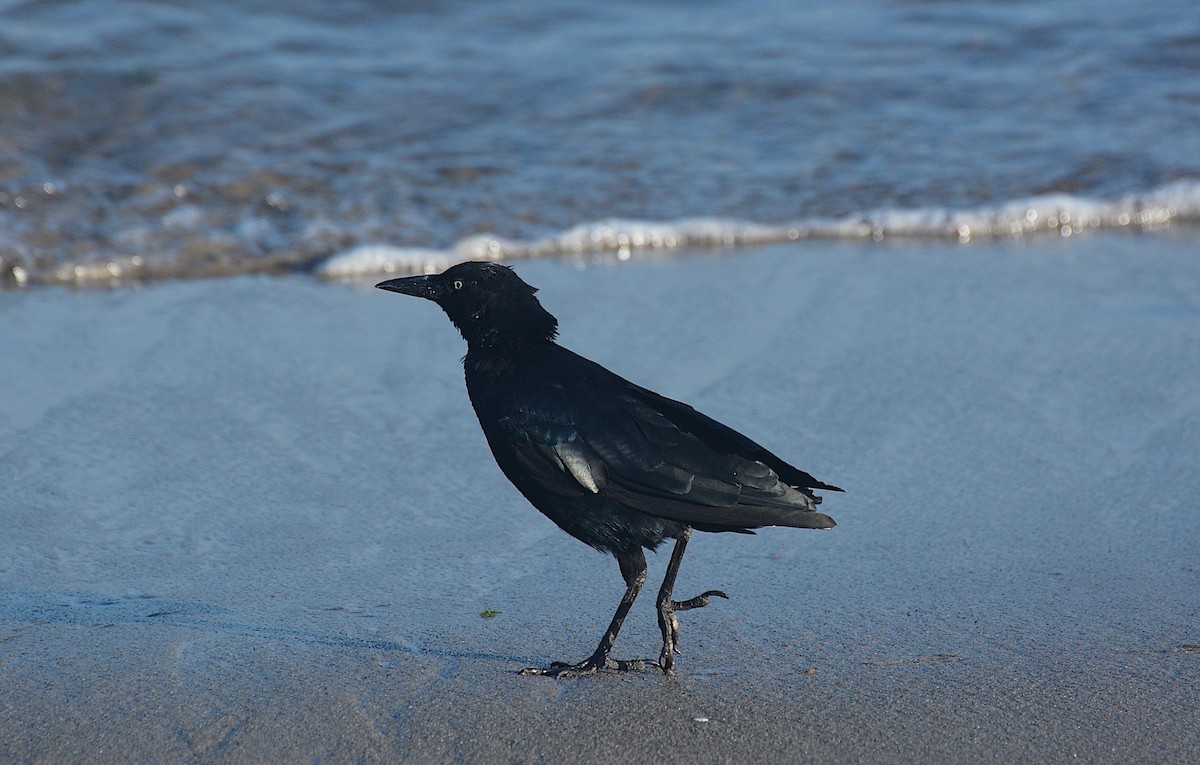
(87, 608)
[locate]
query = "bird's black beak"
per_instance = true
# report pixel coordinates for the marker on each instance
(417, 286)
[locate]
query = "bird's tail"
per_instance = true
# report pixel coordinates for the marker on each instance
(806, 519)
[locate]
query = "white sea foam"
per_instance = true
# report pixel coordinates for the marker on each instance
(373, 260)
(1052, 214)
(1055, 214)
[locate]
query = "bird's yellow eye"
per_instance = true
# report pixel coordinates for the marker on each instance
(458, 284)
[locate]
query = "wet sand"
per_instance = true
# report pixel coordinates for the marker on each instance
(254, 520)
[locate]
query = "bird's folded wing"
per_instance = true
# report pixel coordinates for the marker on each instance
(636, 455)
(719, 436)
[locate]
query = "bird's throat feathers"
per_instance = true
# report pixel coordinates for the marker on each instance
(506, 329)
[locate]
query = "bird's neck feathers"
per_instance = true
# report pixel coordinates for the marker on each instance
(507, 329)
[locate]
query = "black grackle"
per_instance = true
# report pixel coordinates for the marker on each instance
(615, 465)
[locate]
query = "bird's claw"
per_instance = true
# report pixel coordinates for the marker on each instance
(589, 666)
(666, 661)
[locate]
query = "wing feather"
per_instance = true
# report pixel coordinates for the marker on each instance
(600, 434)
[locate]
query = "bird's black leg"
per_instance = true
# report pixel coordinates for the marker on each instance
(667, 621)
(633, 569)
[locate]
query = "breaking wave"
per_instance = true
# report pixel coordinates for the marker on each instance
(1176, 204)
(1046, 215)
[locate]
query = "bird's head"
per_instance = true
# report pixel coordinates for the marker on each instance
(487, 302)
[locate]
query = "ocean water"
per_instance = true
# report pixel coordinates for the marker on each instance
(148, 140)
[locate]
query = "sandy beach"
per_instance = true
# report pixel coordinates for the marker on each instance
(254, 519)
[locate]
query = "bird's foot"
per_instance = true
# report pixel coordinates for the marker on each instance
(669, 624)
(588, 666)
